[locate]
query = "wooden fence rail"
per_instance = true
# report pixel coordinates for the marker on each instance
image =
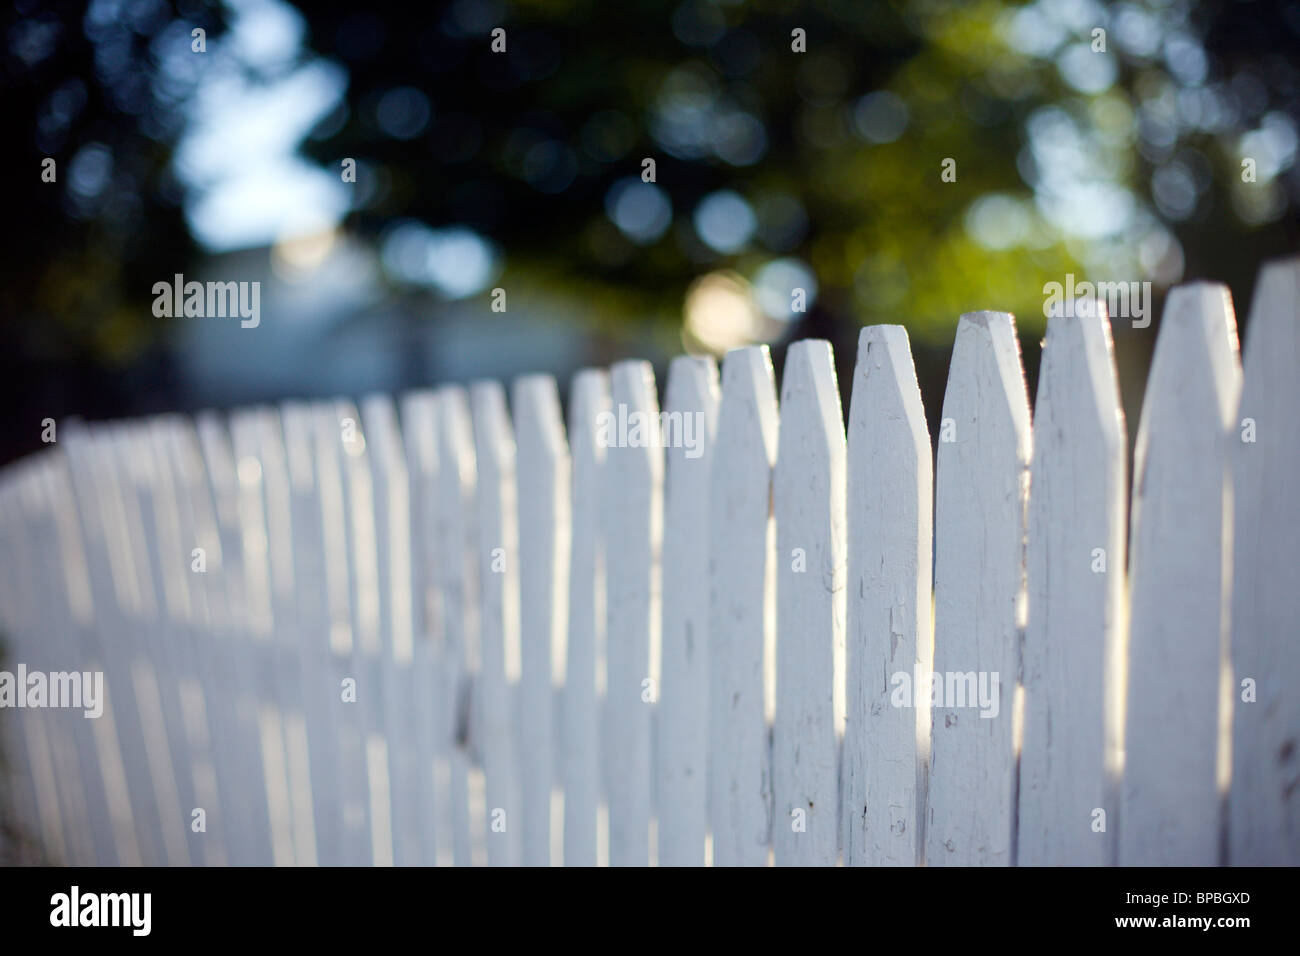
(455, 630)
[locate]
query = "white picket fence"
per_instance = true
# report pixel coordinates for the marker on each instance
(327, 638)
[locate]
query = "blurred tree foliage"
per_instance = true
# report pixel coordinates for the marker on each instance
(837, 150)
(100, 89)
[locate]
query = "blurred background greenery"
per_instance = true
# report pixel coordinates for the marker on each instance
(795, 146)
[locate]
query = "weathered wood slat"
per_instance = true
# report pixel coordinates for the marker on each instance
(632, 500)
(690, 406)
(888, 648)
(420, 438)
(741, 612)
(319, 695)
(493, 732)
(1073, 649)
(392, 518)
(981, 487)
(808, 495)
(347, 693)
(1264, 803)
(1177, 732)
(580, 719)
(457, 571)
(544, 535)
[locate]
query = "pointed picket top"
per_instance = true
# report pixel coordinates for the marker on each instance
(278, 489)
(749, 395)
(455, 565)
(808, 496)
(119, 439)
(1264, 803)
(1073, 648)
(885, 376)
(358, 497)
(632, 390)
(579, 742)
(187, 465)
(692, 387)
(379, 415)
(536, 403)
(690, 416)
(981, 482)
(419, 413)
(889, 506)
(1170, 807)
(295, 423)
(986, 351)
(494, 729)
(589, 396)
(632, 522)
(544, 528)
(741, 662)
(393, 518)
(455, 433)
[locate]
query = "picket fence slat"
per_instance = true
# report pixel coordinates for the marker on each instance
(1176, 734)
(457, 573)
(1264, 803)
(632, 522)
(347, 697)
(494, 728)
(808, 498)
(1073, 663)
(310, 613)
(742, 619)
(419, 443)
(333, 634)
(97, 492)
(250, 817)
(981, 484)
(690, 406)
(580, 718)
(392, 512)
(890, 495)
(255, 664)
(544, 532)
(102, 769)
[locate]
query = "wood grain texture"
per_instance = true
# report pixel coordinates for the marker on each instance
(1264, 803)
(981, 490)
(808, 497)
(580, 720)
(1073, 654)
(691, 406)
(888, 645)
(632, 498)
(456, 565)
(493, 730)
(544, 541)
(392, 519)
(1177, 726)
(319, 695)
(741, 622)
(350, 720)
(420, 444)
